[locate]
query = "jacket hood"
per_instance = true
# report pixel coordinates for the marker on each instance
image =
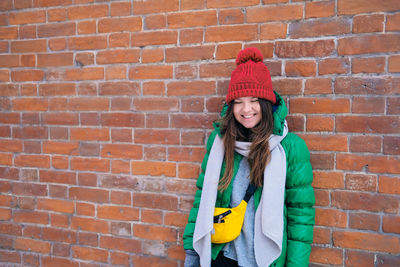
(279, 111)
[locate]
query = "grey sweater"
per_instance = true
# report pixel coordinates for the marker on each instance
(242, 248)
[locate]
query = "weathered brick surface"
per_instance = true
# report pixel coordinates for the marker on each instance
(105, 108)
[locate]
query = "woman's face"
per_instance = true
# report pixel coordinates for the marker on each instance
(247, 111)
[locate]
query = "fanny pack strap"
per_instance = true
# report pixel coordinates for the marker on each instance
(249, 192)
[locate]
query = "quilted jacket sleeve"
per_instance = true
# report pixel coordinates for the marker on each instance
(189, 229)
(299, 200)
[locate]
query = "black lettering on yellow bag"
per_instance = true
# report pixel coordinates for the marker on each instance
(228, 222)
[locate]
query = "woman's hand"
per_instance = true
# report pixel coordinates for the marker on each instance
(192, 259)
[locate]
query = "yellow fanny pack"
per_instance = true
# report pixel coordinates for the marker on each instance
(228, 222)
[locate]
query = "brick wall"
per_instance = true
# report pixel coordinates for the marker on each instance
(106, 106)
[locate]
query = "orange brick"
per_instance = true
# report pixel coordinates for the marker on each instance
(378, 44)
(192, 121)
(151, 72)
(357, 6)
(368, 65)
(119, 40)
(28, 17)
(120, 9)
(154, 232)
(390, 224)
(189, 53)
(32, 245)
(368, 23)
(368, 105)
(60, 262)
(334, 66)
(154, 168)
(319, 105)
(57, 177)
(318, 123)
(94, 73)
(28, 46)
(193, 88)
(57, 44)
(155, 201)
(118, 258)
(118, 213)
(359, 85)
(57, 205)
(57, 14)
(216, 70)
(231, 3)
(186, 170)
(56, 29)
(389, 185)
(152, 55)
(274, 13)
(364, 221)
(122, 120)
(231, 16)
(272, 31)
(361, 124)
(34, 217)
(61, 59)
(122, 151)
(89, 164)
(90, 225)
(87, 43)
(365, 144)
(157, 21)
(156, 104)
(364, 201)
(329, 256)
(27, 75)
(124, 244)
(175, 219)
(391, 145)
(320, 27)
(32, 161)
(359, 258)
(116, 72)
(366, 241)
(192, 19)
(155, 6)
(92, 254)
(394, 64)
(320, 9)
(231, 33)
(89, 11)
(154, 38)
(187, 186)
(57, 89)
(300, 68)
(129, 24)
(392, 22)
(321, 235)
(191, 36)
(60, 148)
(87, 27)
(328, 180)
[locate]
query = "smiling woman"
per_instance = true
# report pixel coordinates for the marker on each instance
(251, 147)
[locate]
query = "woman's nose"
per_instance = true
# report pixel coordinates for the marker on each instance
(246, 106)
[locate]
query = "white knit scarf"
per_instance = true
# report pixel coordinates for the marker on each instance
(268, 230)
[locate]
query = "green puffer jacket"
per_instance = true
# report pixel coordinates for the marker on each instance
(299, 213)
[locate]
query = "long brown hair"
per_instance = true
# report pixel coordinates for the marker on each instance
(259, 155)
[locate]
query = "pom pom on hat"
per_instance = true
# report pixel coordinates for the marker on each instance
(251, 77)
(250, 53)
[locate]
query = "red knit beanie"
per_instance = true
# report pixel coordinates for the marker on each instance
(251, 77)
